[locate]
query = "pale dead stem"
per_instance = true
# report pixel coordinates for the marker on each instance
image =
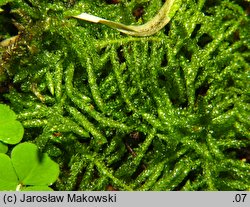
(164, 15)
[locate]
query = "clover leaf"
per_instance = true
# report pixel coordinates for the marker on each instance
(8, 178)
(27, 169)
(3, 147)
(11, 130)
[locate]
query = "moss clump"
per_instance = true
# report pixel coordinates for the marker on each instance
(165, 112)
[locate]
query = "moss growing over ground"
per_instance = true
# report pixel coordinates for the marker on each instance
(164, 112)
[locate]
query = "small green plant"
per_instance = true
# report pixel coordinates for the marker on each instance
(27, 169)
(11, 130)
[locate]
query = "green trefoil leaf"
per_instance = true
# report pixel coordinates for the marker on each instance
(11, 130)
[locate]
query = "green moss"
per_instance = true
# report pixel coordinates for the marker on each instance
(165, 112)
